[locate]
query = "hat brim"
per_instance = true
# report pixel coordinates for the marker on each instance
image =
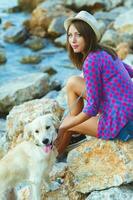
(68, 22)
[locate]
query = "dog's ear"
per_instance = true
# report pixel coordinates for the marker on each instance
(56, 121)
(27, 132)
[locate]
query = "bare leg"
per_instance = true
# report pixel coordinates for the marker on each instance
(75, 86)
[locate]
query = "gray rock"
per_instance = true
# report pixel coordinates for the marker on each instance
(15, 35)
(3, 58)
(124, 22)
(122, 193)
(98, 164)
(110, 37)
(31, 59)
(56, 27)
(35, 43)
(61, 41)
(22, 89)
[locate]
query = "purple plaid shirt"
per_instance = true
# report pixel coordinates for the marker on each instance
(109, 92)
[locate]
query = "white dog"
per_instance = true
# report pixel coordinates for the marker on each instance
(31, 161)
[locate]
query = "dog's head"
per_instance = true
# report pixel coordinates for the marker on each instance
(43, 130)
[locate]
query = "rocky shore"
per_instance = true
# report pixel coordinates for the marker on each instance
(96, 170)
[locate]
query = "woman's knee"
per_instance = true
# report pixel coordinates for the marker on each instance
(72, 82)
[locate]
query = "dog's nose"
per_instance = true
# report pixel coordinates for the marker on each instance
(45, 141)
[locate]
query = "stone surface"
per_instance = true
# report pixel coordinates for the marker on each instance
(28, 4)
(3, 58)
(121, 193)
(25, 113)
(56, 27)
(22, 89)
(31, 59)
(41, 17)
(99, 164)
(124, 22)
(110, 37)
(15, 35)
(35, 43)
(61, 41)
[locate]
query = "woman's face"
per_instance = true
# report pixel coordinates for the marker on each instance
(76, 40)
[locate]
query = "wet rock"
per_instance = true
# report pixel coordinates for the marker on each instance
(3, 58)
(56, 27)
(16, 35)
(128, 3)
(124, 22)
(122, 193)
(110, 37)
(14, 9)
(28, 4)
(61, 41)
(99, 164)
(7, 25)
(41, 17)
(25, 113)
(122, 50)
(48, 69)
(91, 5)
(22, 89)
(2, 127)
(52, 94)
(128, 38)
(35, 43)
(31, 59)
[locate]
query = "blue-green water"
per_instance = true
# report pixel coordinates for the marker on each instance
(14, 52)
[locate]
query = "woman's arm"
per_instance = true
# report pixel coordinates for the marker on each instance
(71, 121)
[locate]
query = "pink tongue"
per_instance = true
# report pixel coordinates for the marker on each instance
(47, 148)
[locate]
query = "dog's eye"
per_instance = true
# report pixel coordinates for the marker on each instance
(47, 127)
(36, 131)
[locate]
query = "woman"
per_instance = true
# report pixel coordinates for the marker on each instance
(108, 112)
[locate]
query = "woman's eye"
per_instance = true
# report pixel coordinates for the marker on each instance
(78, 34)
(69, 35)
(47, 127)
(36, 131)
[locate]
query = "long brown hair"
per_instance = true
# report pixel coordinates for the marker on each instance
(91, 44)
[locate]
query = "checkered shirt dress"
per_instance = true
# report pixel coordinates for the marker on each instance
(109, 90)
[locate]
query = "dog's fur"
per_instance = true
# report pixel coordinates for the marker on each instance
(30, 161)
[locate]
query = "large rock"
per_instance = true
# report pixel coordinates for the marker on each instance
(28, 4)
(25, 113)
(99, 164)
(93, 5)
(16, 35)
(110, 37)
(44, 14)
(56, 27)
(22, 89)
(121, 193)
(124, 22)
(3, 58)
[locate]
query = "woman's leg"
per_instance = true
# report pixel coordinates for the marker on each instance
(89, 127)
(75, 87)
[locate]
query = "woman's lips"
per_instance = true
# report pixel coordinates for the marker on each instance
(75, 46)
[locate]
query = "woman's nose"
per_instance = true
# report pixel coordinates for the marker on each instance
(74, 39)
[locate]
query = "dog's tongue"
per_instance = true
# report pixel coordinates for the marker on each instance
(47, 148)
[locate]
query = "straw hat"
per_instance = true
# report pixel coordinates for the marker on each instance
(86, 17)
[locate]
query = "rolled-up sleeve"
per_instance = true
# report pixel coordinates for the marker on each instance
(129, 69)
(92, 76)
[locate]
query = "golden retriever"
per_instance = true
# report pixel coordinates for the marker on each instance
(31, 161)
